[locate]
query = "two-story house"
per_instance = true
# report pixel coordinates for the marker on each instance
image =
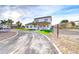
(41, 23)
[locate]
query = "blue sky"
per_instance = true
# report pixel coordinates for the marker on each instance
(26, 13)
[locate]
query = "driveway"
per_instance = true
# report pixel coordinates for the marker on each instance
(27, 43)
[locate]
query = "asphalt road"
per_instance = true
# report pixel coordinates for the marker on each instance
(27, 43)
(67, 32)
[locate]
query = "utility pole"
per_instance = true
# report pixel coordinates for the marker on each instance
(57, 31)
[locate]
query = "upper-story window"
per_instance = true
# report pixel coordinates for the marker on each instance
(45, 20)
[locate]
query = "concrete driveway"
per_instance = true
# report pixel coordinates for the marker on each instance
(27, 43)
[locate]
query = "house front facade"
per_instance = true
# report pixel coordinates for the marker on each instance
(41, 23)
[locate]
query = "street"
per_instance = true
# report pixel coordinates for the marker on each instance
(67, 32)
(27, 43)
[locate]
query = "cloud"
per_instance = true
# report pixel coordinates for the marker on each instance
(70, 17)
(26, 13)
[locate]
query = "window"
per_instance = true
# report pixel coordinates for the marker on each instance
(45, 20)
(30, 26)
(27, 26)
(36, 20)
(34, 25)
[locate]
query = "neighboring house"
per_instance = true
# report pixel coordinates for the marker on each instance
(4, 27)
(41, 23)
(14, 26)
(77, 22)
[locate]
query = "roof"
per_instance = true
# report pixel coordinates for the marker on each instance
(43, 17)
(39, 23)
(29, 24)
(42, 23)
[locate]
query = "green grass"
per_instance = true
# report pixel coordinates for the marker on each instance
(46, 32)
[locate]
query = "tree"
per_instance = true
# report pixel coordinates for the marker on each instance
(3, 22)
(19, 24)
(9, 22)
(64, 21)
(73, 24)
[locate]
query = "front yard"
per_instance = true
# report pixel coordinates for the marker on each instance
(46, 32)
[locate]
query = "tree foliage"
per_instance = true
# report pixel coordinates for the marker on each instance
(64, 21)
(19, 24)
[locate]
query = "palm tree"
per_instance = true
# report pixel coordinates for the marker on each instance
(3, 22)
(19, 24)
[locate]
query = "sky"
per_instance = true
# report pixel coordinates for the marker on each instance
(27, 13)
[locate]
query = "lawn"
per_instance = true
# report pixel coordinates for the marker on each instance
(46, 32)
(37, 31)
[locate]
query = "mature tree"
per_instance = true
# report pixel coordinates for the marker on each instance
(73, 23)
(64, 21)
(9, 22)
(19, 24)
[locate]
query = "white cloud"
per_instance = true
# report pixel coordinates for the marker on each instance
(26, 15)
(11, 14)
(70, 17)
(28, 20)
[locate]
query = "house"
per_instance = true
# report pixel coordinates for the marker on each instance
(14, 26)
(77, 24)
(4, 28)
(41, 23)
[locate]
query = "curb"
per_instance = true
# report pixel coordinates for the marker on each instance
(53, 44)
